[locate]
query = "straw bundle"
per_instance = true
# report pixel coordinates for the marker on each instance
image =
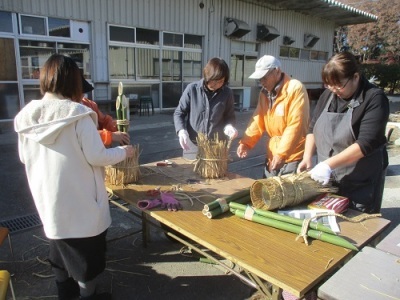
(286, 190)
(212, 157)
(126, 171)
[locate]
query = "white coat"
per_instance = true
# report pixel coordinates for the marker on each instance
(64, 158)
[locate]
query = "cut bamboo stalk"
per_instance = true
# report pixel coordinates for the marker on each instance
(276, 216)
(319, 235)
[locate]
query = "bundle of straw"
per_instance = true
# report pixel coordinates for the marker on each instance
(290, 224)
(220, 205)
(126, 171)
(212, 157)
(286, 190)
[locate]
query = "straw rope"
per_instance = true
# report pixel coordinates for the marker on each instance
(287, 190)
(126, 171)
(357, 219)
(123, 122)
(212, 158)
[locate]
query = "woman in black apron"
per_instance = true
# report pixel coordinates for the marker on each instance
(348, 132)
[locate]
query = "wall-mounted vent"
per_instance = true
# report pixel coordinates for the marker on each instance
(235, 28)
(287, 40)
(310, 40)
(266, 33)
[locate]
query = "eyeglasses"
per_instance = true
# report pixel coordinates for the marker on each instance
(335, 88)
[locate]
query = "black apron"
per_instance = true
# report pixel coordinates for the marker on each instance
(363, 181)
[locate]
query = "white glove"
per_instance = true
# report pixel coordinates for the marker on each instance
(321, 173)
(183, 139)
(230, 131)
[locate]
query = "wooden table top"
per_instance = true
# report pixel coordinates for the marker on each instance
(269, 253)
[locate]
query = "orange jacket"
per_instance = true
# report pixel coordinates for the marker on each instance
(286, 123)
(105, 123)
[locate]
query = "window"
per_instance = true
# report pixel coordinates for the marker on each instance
(80, 53)
(242, 64)
(146, 60)
(59, 27)
(193, 41)
(149, 60)
(284, 52)
(171, 65)
(192, 68)
(146, 36)
(294, 52)
(173, 39)
(122, 34)
(314, 55)
(305, 54)
(5, 22)
(9, 101)
(8, 70)
(121, 62)
(322, 56)
(33, 55)
(33, 25)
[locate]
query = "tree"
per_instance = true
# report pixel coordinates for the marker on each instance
(376, 40)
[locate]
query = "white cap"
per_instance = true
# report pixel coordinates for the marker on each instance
(263, 65)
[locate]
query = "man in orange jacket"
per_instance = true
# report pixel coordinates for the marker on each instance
(283, 113)
(106, 126)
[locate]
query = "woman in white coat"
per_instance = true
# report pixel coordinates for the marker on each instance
(64, 159)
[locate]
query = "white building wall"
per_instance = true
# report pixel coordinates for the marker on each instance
(185, 16)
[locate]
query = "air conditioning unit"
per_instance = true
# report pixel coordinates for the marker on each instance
(287, 40)
(235, 28)
(310, 40)
(266, 33)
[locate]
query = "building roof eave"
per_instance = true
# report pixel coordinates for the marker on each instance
(338, 13)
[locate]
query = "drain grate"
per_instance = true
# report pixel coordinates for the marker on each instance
(22, 223)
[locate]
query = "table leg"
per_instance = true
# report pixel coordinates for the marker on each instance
(191, 246)
(270, 291)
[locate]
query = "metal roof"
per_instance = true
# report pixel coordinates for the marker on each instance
(337, 12)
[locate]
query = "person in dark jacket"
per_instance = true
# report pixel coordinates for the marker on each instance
(348, 132)
(206, 106)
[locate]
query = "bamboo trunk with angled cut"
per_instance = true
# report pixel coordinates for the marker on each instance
(126, 171)
(212, 157)
(286, 190)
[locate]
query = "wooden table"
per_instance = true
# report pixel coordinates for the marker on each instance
(272, 259)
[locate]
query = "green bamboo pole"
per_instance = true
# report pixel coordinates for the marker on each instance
(323, 236)
(118, 107)
(211, 214)
(279, 217)
(214, 204)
